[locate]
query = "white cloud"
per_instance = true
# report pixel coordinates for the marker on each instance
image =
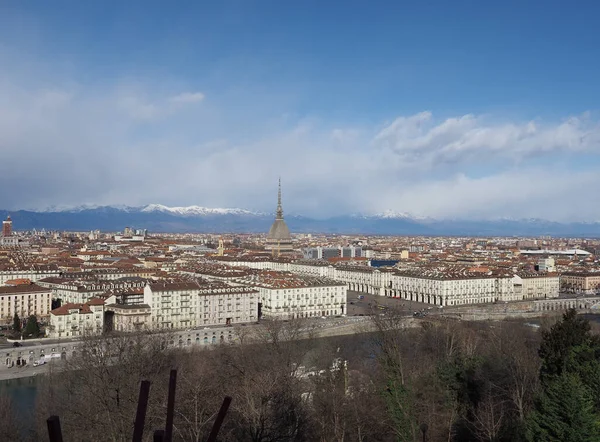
(418, 140)
(68, 145)
(187, 97)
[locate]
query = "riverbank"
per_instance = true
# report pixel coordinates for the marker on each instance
(26, 371)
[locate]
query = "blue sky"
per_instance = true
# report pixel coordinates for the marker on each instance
(446, 109)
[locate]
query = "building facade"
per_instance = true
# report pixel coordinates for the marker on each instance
(284, 295)
(536, 286)
(580, 282)
(24, 300)
(77, 320)
(191, 304)
(34, 272)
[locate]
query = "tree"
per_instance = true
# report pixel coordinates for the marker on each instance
(558, 343)
(10, 427)
(32, 328)
(564, 412)
(16, 323)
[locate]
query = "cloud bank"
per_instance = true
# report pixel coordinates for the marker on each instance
(128, 143)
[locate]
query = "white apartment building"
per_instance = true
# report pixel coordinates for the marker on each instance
(76, 320)
(445, 285)
(536, 286)
(284, 295)
(33, 273)
(128, 317)
(80, 291)
(193, 304)
(24, 300)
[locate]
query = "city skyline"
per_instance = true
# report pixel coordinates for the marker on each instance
(421, 110)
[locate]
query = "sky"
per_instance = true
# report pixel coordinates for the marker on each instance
(462, 109)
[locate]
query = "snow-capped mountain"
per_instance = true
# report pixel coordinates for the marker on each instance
(161, 218)
(196, 210)
(391, 214)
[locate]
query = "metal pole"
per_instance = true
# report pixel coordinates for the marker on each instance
(168, 437)
(140, 417)
(54, 431)
(219, 420)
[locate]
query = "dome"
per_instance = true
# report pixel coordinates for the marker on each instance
(279, 231)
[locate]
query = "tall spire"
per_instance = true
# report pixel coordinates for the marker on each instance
(279, 208)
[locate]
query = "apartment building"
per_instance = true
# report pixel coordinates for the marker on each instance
(76, 320)
(24, 300)
(33, 272)
(195, 303)
(284, 295)
(79, 291)
(441, 285)
(536, 286)
(580, 282)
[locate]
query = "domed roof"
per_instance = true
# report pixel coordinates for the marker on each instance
(279, 231)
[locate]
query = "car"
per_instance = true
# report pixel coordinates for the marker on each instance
(17, 344)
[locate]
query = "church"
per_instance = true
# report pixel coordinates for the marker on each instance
(279, 239)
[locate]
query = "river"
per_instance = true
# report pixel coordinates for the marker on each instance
(23, 392)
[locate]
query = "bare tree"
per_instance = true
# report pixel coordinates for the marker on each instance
(11, 429)
(490, 414)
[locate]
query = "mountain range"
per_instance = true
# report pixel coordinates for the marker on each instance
(159, 218)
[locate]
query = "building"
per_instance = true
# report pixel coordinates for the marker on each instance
(7, 227)
(332, 252)
(279, 239)
(536, 286)
(33, 272)
(76, 320)
(80, 290)
(284, 295)
(580, 282)
(195, 303)
(546, 265)
(24, 300)
(128, 317)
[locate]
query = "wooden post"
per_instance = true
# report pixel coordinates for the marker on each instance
(168, 437)
(140, 416)
(219, 420)
(54, 431)
(159, 436)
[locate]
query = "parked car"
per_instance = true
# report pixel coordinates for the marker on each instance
(17, 344)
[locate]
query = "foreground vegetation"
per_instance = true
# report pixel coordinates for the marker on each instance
(455, 381)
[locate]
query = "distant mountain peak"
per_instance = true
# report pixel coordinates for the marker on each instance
(195, 210)
(392, 214)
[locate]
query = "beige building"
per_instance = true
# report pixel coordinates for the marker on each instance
(536, 286)
(129, 317)
(24, 300)
(580, 282)
(193, 304)
(76, 320)
(285, 295)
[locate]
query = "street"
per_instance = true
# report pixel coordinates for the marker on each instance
(376, 304)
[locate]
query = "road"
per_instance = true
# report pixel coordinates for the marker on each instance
(371, 304)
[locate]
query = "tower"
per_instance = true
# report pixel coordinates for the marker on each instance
(7, 227)
(221, 248)
(279, 212)
(279, 239)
